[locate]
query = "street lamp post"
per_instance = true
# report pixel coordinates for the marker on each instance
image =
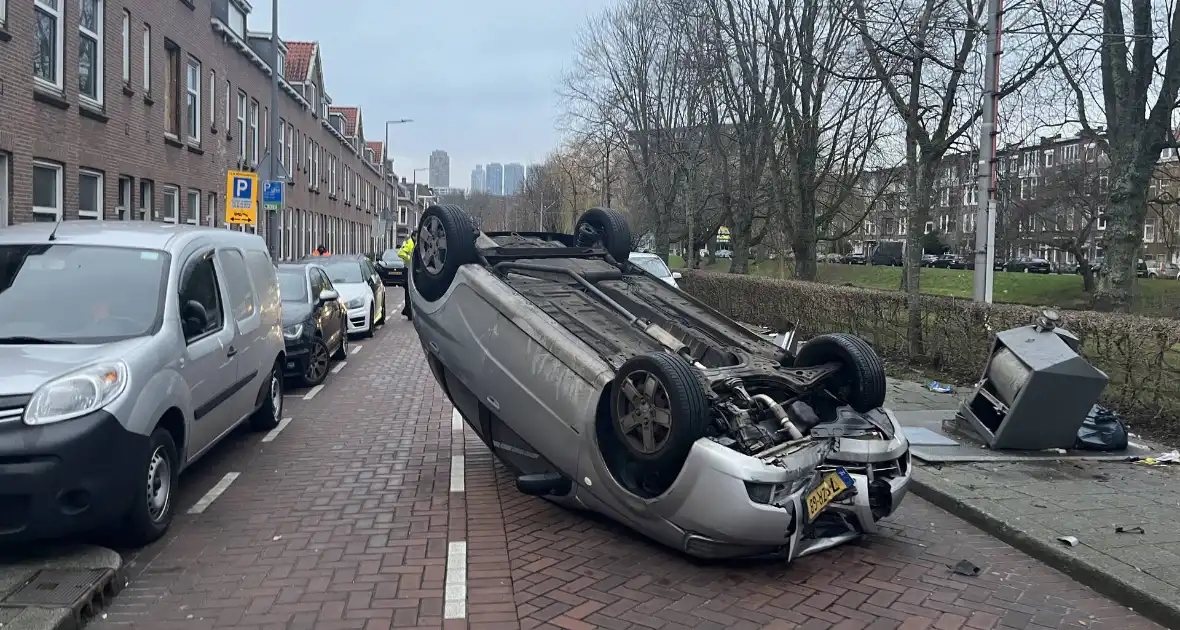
(415, 197)
(388, 216)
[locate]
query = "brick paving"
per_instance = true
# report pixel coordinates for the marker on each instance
(343, 522)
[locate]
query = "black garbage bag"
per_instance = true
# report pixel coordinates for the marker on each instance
(1103, 430)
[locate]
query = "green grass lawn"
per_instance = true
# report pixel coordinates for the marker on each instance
(1153, 297)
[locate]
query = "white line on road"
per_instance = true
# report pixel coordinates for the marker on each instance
(456, 421)
(216, 491)
(274, 433)
(455, 603)
(457, 474)
(339, 366)
(312, 392)
(355, 349)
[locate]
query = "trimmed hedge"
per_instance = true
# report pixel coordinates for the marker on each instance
(1140, 354)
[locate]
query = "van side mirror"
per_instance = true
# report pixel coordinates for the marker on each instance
(328, 295)
(676, 275)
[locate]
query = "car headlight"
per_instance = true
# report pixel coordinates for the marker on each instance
(293, 332)
(77, 393)
(356, 302)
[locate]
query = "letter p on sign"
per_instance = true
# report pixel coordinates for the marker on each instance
(243, 187)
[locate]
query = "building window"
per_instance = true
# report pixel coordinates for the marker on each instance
(171, 204)
(3, 19)
(282, 69)
(307, 155)
(254, 131)
(1048, 158)
(193, 100)
(126, 47)
(1101, 221)
(290, 149)
(228, 104)
(332, 174)
(315, 166)
(211, 210)
(194, 207)
(4, 166)
(242, 125)
(147, 59)
(49, 39)
(403, 218)
(146, 200)
(282, 141)
(237, 20)
(126, 187)
(1149, 230)
(172, 89)
(1070, 154)
(90, 50)
(90, 194)
(213, 99)
(47, 190)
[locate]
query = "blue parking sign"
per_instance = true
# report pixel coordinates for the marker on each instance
(272, 195)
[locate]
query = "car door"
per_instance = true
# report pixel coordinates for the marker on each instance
(327, 315)
(209, 367)
(336, 310)
(249, 345)
(374, 281)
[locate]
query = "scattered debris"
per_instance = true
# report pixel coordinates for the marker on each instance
(1158, 460)
(1072, 541)
(965, 567)
(1040, 505)
(1102, 430)
(939, 388)
(1057, 451)
(1128, 530)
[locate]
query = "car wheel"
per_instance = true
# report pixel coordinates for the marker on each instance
(342, 352)
(658, 410)
(372, 329)
(270, 413)
(446, 241)
(861, 381)
(607, 227)
(316, 369)
(384, 303)
(151, 511)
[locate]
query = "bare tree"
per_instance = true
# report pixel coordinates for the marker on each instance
(1135, 68)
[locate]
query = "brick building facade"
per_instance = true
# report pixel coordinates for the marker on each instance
(136, 109)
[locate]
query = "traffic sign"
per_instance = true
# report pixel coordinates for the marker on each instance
(272, 195)
(241, 191)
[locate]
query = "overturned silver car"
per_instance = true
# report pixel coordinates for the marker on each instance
(601, 387)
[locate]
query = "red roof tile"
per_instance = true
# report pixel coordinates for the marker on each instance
(298, 63)
(378, 150)
(351, 116)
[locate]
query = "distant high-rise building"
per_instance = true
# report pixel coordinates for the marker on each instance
(513, 178)
(494, 179)
(440, 169)
(478, 184)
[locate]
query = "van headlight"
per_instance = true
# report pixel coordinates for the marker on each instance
(77, 393)
(293, 332)
(355, 303)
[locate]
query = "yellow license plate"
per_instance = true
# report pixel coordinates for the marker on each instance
(829, 488)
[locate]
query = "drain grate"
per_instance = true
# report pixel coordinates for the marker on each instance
(56, 588)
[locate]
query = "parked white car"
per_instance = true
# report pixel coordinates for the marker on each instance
(653, 264)
(360, 289)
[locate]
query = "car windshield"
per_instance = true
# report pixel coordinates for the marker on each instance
(292, 285)
(390, 255)
(344, 272)
(653, 265)
(51, 293)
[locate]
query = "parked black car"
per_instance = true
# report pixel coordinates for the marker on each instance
(315, 322)
(999, 264)
(928, 260)
(1025, 264)
(855, 259)
(947, 261)
(391, 268)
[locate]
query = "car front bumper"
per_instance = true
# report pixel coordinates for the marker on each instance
(66, 478)
(298, 351)
(358, 320)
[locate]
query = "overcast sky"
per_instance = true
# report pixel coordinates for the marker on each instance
(478, 78)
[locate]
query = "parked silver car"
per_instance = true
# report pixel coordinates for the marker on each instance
(127, 350)
(602, 387)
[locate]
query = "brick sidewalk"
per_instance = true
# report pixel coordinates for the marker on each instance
(347, 519)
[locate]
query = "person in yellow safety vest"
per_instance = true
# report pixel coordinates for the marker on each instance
(406, 253)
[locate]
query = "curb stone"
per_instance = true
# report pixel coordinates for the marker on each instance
(16, 572)
(1136, 591)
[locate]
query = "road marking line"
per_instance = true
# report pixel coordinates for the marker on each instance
(455, 603)
(274, 433)
(456, 421)
(355, 349)
(215, 492)
(339, 366)
(457, 474)
(312, 392)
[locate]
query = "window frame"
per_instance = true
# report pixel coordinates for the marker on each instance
(192, 98)
(173, 112)
(5, 178)
(99, 189)
(194, 218)
(236, 12)
(244, 276)
(125, 210)
(187, 277)
(241, 111)
(99, 39)
(59, 47)
(126, 47)
(175, 210)
(147, 59)
(254, 114)
(147, 201)
(59, 170)
(3, 20)
(213, 100)
(211, 209)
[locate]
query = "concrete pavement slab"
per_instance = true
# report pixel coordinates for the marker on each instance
(57, 588)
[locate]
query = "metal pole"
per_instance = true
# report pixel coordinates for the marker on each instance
(272, 216)
(985, 215)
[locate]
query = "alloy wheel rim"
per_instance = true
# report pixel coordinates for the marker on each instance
(644, 412)
(433, 245)
(276, 393)
(317, 365)
(159, 484)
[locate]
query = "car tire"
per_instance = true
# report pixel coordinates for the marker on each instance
(270, 413)
(342, 351)
(607, 227)
(861, 381)
(151, 512)
(683, 399)
(447, 228)
(372, 329)
(318, 354)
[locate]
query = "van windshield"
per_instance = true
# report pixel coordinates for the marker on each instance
(51, 293)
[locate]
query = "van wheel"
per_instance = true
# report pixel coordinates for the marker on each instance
(152, 509)
(658, 411)
(446, 241)
(605, 227)
(860, 383)
(271, 412)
